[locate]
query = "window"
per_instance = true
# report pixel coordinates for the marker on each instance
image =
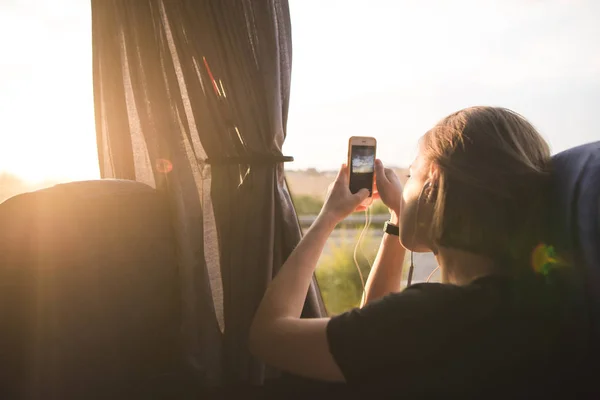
(392, 69)
(382, 68)
(46, 95)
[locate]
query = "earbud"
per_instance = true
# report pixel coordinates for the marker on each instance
(426, 186)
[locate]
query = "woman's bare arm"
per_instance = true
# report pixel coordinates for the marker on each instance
(278, 335)
(386, 273)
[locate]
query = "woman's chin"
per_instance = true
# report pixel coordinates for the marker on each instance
(422, 249)
(414, 246)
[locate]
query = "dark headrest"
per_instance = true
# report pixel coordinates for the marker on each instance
(576, 211)
(88, 288)
(577, 200)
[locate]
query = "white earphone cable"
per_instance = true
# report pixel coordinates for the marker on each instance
(432, 272)
(359, 246)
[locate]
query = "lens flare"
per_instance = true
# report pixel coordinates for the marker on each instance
(543, 258)
(164, 166)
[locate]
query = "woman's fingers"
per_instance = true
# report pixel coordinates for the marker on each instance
(391, 175)
(380, 173)
(342, 175)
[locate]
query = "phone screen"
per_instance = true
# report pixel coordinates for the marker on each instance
(362, 168)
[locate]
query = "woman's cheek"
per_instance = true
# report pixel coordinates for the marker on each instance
(401, 205)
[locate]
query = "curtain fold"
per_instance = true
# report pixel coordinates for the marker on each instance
(179, 83)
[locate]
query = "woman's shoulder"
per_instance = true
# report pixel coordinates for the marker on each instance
(428, 300)
(442, 301)
(435, 290)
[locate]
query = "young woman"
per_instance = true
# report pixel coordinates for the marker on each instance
(474, 198)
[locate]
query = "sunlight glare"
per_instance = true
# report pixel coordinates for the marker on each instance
(47, 127)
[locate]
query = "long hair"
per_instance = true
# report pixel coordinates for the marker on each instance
(492, 182)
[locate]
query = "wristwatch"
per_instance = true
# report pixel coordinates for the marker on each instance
(391, 229)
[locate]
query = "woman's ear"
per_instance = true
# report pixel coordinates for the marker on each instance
(434, 173)
(433, 177)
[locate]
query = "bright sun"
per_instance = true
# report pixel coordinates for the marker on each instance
(46, 91)
(397, 87)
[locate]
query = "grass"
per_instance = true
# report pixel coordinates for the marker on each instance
(336, 272)
(337, 275)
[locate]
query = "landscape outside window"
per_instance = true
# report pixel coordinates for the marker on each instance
(384, 68)
(392, 69)
(337, 274)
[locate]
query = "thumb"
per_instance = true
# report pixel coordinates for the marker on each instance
(361, 195)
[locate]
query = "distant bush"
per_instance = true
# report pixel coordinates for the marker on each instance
(307, 205)
(11, 185)
(311, 205)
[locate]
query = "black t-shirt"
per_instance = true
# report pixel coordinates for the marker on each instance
(489, 337)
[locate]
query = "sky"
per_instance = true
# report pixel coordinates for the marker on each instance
(384, 68)
(47, 128)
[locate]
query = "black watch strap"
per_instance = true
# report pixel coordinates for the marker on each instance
(391, 229)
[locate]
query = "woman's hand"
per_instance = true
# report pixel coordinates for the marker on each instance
(340, 202)
(389, 188)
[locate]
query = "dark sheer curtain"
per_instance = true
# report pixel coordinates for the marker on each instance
(191, 97)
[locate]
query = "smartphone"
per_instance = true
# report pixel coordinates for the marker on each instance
(361, 160)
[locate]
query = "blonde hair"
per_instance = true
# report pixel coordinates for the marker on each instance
(492, 177)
